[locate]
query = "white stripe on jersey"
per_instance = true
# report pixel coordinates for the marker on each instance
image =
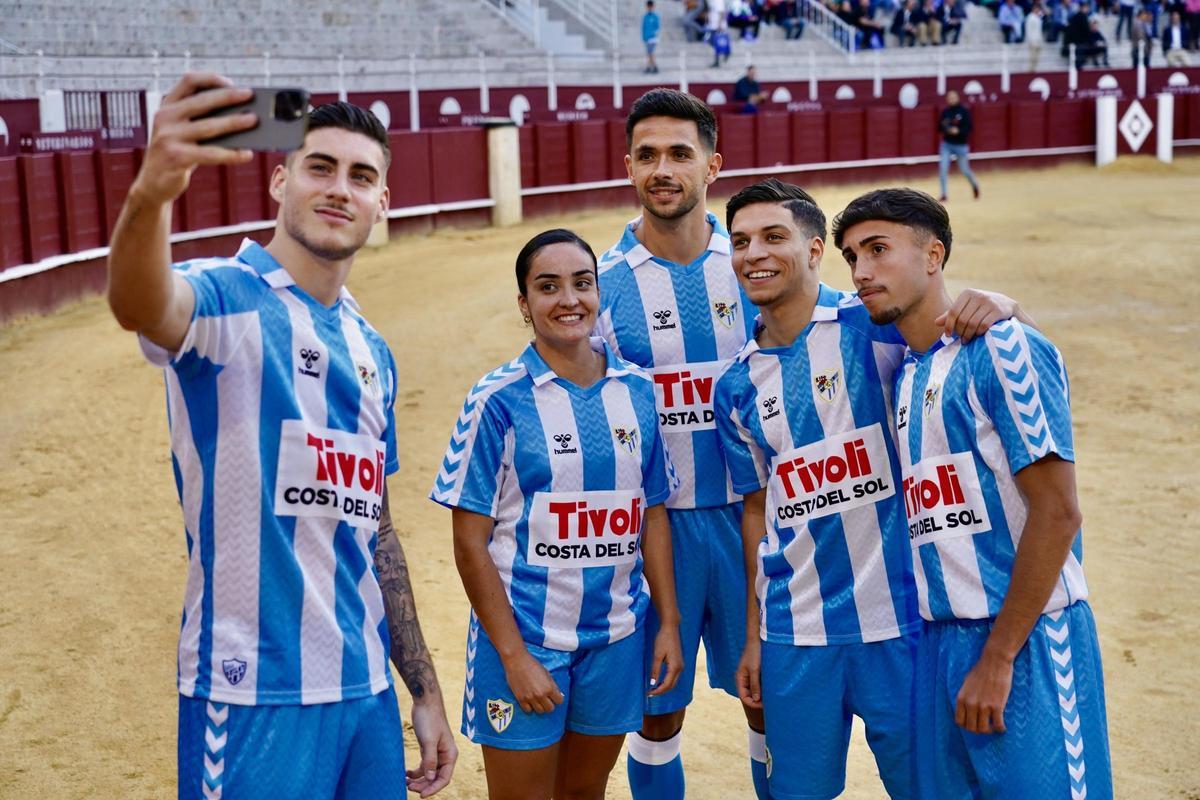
(184, 449)
(861, 524)
(564, 587)
(964, 584)
(619, 405)
(905, 390)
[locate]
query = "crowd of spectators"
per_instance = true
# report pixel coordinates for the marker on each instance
(1172, 25)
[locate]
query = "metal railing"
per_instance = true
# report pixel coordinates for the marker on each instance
(830, 27)
(592, 17)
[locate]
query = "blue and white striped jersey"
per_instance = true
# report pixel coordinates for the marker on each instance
(969, 417)
(811, 423)
(681, 323)
(281, 434)
(567, 474)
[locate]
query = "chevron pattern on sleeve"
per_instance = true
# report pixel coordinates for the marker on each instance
(1058, 633)
(447, 485)
(1014, 368)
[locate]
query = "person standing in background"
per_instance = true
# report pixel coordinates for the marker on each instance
(650, 25)
(1034, 39)
(955, 125)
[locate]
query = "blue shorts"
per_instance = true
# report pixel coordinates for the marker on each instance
(1056, 743)
(602, 689)
(710, 587)
(351, 749)
(809, 696)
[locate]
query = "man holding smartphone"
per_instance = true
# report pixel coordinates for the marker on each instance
(280, 399)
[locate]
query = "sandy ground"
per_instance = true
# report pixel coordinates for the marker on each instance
(92, 553)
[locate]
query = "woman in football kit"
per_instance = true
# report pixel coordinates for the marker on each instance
(556, 476)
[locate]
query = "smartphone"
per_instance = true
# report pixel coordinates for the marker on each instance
(282, 121)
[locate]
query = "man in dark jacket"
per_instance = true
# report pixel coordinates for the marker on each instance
(955, 126)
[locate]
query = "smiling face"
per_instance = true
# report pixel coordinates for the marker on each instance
(331, 191)
(892, 265)
(561, 295)
(670, 167)
(774, 259)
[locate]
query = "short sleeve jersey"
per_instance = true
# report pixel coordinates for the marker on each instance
(282, 431)
(682, 323)
(811, 424)
(566, 473)
(969, 417)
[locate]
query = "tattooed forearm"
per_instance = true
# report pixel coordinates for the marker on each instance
(409, 652)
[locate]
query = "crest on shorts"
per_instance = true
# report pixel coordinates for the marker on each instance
(369, 378)
(770, 764)
(726, 312)
(827, 384)
(627, 438)
(235, 670)
(931, 397)
(500, 714)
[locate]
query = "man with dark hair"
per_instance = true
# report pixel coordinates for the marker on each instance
(831, 617)
(1010, 698)
(955, 125)
(670, 303)
(280, 399)
(748, 91)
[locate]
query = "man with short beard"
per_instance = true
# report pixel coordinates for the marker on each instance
(280, 403)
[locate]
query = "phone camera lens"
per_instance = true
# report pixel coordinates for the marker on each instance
(290, 104)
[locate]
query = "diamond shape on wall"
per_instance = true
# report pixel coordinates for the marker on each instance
(1135, 126)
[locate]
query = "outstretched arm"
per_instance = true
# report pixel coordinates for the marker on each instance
(413, 662)
(145, 296)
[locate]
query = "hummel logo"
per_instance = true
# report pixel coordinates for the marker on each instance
(664, 320)
(564, 441)
(310, 357)
(769, 405)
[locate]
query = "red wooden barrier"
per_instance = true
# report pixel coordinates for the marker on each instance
(553, 153)
(39, 184)
(245, 192)
(1192, 105)
(459, 158)
(735, 142)
(13, 238)
(882, 128)
(809, 140)
(589, 151)
(528, 144)
(82, 221)
(1026, 125)
(1070, 123)
(991, 127)
(617, 150)
(203, 202)
(918, 131)
(846, 135)
(115, 170)
(409, 177)
(773, 139)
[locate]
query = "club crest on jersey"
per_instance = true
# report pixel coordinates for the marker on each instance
(931, 397)
(726, 312)
(500, 714)
(235, 670)
(627, 438)
(769, 405)
(827, 384)
(369, 378)
(309, 357)
(662, 320)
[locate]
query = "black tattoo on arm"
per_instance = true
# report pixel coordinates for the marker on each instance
(409, 652)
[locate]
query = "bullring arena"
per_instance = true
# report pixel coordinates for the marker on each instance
(92, 555)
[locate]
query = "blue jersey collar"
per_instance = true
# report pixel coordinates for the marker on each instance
(826, 310)
(541, 374)
(275, 274)
(636, 254)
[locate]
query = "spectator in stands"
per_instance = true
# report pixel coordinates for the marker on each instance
(1011, 20)
(1056, 21)
(1125, 11)
(1033, 34)
(1078, 30)
(1192, 9)
(904, 24)
(1175, 40)
(744, 17)
(748, 92)
(955, 127)
(650, 25)
(871, 29)
(716, 16)
(788, 15)
(1140, 39)
(954, 15)
(1155, 8)
(929, 24)
(694, 14)
(1095, 49)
